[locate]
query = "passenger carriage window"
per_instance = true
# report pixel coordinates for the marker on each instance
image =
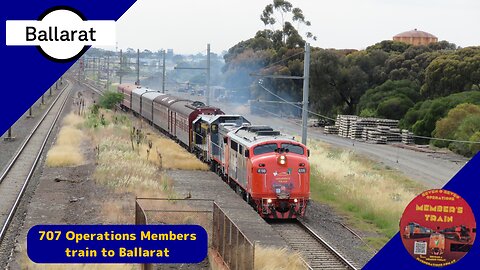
(264, 148)
(240, 149)
(293, 148)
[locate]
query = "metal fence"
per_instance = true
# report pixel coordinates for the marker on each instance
(237, 251)
(157, 210)
(227, 239)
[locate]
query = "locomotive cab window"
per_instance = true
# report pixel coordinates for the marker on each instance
(264, 148)
(293, 148)
(214, 128)
(234, 145)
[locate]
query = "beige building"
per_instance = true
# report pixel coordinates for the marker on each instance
(416, 37)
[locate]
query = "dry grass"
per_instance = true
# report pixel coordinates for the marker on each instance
(359, 186)
(127, 170)
(173, 156)
(66, 151)
(271, 258)
(73, 120)
(115, 211)
(120, 167)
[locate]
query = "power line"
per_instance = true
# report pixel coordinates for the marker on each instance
(281, 60)
(289, 102)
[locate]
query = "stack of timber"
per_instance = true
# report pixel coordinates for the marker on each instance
(330, 130)
(345, 122)
(376, 130)
(407, 137)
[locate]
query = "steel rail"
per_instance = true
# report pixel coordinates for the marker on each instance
(326, 245)
(19, 151)
(316, 252)
(37, 158)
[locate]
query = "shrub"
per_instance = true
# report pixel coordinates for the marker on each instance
(421, 119)
(461, 123)
(392, 99)
(110, 99)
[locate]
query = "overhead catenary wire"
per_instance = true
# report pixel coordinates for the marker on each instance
(294, 105)
(283, 59)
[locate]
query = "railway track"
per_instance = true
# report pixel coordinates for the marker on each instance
(17, 174)
(317, 253)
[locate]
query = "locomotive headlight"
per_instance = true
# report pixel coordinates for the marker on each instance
(295, 200)
(269, 200)
(302, 170)
(282, 160)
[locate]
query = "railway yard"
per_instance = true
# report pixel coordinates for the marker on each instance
(324, 238)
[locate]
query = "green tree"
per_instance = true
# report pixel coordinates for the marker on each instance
(461, 123)
(283, 28)
(110, 99)
(391, 100)
(452, 73)
(422, 117)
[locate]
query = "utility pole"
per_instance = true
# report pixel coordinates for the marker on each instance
(83, 71)
(208, 74)
(98, 70)
(108, 72)
(207, 94)
(138, 67)
(306, 80)
(9, 135)
(121, 67)
(163, 71)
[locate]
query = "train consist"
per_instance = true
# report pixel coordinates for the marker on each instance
(270, 170)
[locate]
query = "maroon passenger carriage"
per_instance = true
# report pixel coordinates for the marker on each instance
(171, 114)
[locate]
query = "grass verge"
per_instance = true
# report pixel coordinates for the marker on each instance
(365, 190)
(272, 258)
(66, 151)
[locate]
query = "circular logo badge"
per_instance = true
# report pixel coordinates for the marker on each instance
(438, 227)
(59, 51)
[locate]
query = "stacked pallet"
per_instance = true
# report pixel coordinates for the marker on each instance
(391, 134)
(387, 122)
(368, 129)
(374, 135)
(331, 130)
(407, 137)
(359, 125)
(345, 124)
